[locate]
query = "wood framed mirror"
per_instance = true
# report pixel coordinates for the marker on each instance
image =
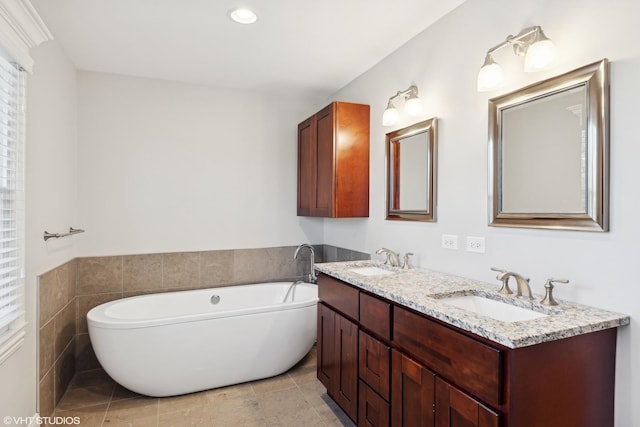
(411, 172)
(549, 153)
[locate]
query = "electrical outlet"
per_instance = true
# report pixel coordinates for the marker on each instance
(475, 244)
(450, 241)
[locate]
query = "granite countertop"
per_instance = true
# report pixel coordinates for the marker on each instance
(420, 289)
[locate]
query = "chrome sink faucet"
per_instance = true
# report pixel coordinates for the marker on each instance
(312, 274)
(392, 257)
(522, 283)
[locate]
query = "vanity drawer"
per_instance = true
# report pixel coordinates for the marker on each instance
(374, 364)
(375, 315)
(373, 410)
(339, 295)
(471, 364)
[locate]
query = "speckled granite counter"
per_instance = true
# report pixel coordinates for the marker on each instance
(420, 289)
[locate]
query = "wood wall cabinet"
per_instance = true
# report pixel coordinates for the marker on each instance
(333, 162)
(413, 370)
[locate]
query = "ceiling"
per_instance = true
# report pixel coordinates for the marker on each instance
(313, 47)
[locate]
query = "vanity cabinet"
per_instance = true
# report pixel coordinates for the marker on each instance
(409, 369)
(333, 162)
(338, 358)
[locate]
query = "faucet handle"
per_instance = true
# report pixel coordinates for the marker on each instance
(405, 265)
(504, 277)
(548, 298)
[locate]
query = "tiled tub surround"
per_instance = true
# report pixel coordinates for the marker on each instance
(69, 291)
(420, 289)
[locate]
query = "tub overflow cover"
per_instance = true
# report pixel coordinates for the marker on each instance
(215, 299)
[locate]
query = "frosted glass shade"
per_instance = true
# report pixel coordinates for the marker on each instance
(490, 77)
(540, 56)
(414, 106)
(390, 116)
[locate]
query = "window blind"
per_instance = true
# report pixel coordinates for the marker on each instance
(11, 199)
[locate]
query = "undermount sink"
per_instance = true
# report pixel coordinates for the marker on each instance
(497, 310)
(370, 271)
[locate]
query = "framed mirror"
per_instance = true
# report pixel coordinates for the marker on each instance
(411, 172)
(549, 153)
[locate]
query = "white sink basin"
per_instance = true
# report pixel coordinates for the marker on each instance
(370, 271)
(491, 308)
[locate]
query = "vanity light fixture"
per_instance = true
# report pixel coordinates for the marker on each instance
(539, 54)
(413, 106)
(243, 15)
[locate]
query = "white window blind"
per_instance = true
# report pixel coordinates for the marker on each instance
(11, 202)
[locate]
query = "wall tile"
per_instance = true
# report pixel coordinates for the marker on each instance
(87, 302)
(99, 275)
(85, 357)
(46, 349)
(216, 268)
(51, 297)
(65, 327)
(251, 266)
(47, 395)
(181, 270)
(65, 369)
(142, 272)
(66, 276)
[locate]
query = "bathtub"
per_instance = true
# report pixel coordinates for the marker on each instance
(180, 342)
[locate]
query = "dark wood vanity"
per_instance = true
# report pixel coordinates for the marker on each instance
(333, 162)
(388, 365)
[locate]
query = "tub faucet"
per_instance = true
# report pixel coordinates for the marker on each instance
(392, 257)
(312, 274)
(522, 283)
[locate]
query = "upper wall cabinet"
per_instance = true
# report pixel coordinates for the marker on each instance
(333, 162)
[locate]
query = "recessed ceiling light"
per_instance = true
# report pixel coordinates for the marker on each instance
(243, 16)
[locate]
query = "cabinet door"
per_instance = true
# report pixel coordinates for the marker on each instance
(374, 410)
(412, 396)
(456, 409)
(306, 166)
(326, 345)
(375, 361)
(323, 202)
(345, 386)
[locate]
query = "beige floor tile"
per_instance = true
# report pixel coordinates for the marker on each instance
(304, 375)
(293, 399)
(332, 415)
(231, 392)
(89, 416)
(192, 416)
(78, 396)
(121, 393)
(239, 410)
(141, 409)
(182, 403)
(281, 382)
(305, 416)
(282, 402)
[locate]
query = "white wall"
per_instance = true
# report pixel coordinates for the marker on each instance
(51, 204)
(444, 61)
(175, 167)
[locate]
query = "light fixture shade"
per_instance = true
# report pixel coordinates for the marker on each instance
(540, 55)
(490, 75)
(390, 116)
(414, 106)
(243, 16)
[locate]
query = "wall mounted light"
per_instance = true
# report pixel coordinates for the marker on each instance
(539, 54)
(412, 106)
(242, 16)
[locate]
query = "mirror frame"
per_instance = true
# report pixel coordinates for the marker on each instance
(429, 127)
(595, 78)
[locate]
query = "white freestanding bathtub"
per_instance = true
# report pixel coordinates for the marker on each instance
(181, 342)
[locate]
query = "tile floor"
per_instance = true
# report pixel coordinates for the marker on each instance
(293, 399)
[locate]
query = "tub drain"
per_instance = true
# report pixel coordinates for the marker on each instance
(215, 299)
